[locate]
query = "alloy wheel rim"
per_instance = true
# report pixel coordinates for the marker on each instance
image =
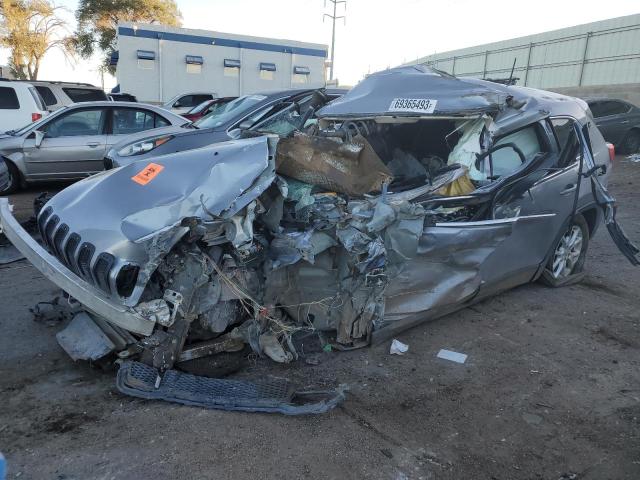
(567, 253)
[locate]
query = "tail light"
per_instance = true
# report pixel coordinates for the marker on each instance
(35, 117)
(612, 151)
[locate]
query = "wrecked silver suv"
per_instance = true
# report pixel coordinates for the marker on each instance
(414, 195)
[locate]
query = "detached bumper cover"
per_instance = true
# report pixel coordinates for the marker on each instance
(89, 296)
(275, 396)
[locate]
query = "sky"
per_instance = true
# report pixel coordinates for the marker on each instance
(376, 34)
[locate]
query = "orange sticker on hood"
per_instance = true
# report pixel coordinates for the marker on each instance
(148, 173)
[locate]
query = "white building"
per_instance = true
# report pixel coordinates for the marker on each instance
(156, 62)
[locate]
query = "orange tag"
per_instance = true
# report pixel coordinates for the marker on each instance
(148, 173)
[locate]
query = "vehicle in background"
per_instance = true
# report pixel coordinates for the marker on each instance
(246, 113)
(619, 122)
(60, 94)
(186, 101)
(122, 97)
(20, 105)
(71, 142)
(207, 107)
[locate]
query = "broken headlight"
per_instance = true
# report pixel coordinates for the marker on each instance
(144, 146)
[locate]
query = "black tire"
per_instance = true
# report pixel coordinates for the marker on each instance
(631, 142)
(571, 272)
(15, 180)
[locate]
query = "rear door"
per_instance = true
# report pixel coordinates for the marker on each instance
(129, 120)
(74, 145)
(612, 118)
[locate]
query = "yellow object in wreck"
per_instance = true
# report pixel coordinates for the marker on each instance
(460, 186)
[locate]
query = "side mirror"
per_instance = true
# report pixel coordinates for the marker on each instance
(39, 136)
(235, 133)
(177, 104)
(246, 125)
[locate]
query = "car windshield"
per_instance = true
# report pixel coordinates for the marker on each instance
(231, 110)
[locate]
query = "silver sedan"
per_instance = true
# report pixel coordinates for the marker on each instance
(71, 143)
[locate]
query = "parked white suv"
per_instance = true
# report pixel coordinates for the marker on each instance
(186, 101)
(20, 104)
(60, 94)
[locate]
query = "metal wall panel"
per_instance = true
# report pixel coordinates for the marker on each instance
(598, 53)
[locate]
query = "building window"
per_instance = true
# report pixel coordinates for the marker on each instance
(194, 63)
(231, 67)
(146, 59)
(267, 70)
(301, 74)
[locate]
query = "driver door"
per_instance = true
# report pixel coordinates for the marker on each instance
(74, 145)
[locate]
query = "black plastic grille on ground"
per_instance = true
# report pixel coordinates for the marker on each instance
(277, 396)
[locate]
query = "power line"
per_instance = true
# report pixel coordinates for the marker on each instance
(333, 30)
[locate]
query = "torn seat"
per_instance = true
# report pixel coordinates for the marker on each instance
(276, 396)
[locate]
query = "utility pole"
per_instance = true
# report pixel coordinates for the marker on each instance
(333, 30)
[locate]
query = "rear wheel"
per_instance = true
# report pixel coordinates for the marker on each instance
(631, 142)
(14, 179)
(569, 254)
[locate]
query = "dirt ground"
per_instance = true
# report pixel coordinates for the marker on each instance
(550, 390)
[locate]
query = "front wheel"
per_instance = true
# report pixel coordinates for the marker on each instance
(14, 180)
(569, 255)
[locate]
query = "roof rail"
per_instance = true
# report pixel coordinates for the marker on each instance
(59, 82)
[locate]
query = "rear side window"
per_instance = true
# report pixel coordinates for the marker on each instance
(47, 95)
(8, 99)
(608, 107)
(85, 94)
(37, 98)
(568, 141)
(130, 120)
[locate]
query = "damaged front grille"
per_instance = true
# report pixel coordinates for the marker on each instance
(78, 256)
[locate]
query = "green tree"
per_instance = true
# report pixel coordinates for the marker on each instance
(98, 21)
(30, 29)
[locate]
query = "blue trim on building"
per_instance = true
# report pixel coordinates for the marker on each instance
(114, 57)
(221, 42)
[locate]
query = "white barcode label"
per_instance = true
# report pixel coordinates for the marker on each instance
(419, 105)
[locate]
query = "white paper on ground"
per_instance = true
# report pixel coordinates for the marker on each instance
(453, 356)
(398, 348)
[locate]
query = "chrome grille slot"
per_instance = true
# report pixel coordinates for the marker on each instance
(84, 260)
(42, 220)
(70, 251)
(101, 270)
(58, 238)
(48, 230)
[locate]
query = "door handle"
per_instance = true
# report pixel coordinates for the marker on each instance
(93, 144)
(571, 187)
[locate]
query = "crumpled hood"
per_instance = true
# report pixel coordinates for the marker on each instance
(453, 96)
(121, 216)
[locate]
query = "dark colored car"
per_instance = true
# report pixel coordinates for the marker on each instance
(249, 112)
(207, 107)
(619, 122)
